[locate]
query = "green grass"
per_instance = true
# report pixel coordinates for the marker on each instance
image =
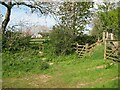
(66, 72)
(20, 63)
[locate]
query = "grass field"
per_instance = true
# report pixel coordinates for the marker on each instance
(91, 71)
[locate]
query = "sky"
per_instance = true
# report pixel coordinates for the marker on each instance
(24, 14)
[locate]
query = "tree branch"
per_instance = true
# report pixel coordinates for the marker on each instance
(28, 5)
(3, 3)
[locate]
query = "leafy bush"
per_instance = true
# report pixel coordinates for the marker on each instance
(62, 40)
(14, 41)
(83, 39)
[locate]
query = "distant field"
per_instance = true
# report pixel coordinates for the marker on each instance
(36, 42)
(37, 39)
(91, 71)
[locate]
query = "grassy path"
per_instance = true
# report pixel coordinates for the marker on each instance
(90, 71)
(68, 75)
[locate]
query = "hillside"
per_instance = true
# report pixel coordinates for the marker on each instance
(70, 71)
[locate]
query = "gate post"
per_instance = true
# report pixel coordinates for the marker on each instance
(103, 36)
(86, 47)
(77, 48)
(107, 35)
(105, 50)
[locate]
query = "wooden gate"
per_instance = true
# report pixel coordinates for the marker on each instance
(83, 49)
(112, 50)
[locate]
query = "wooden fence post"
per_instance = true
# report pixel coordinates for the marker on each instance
(77, 48)
(105, 49)
(86, 47)
(111, 36)
(107, 35)
(103, 36)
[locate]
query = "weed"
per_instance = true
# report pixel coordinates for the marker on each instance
(44, 65)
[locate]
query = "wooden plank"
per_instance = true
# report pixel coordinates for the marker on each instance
(92, 45)
(113, 40)
(81, 46)
(81, 51)
(108, 50)
(108, 54)
(112, 58)
(81, 54)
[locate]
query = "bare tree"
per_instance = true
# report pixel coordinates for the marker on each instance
(34, 5)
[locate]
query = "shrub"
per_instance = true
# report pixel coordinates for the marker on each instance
(83, 39)
(14, 41)
(62, 40)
